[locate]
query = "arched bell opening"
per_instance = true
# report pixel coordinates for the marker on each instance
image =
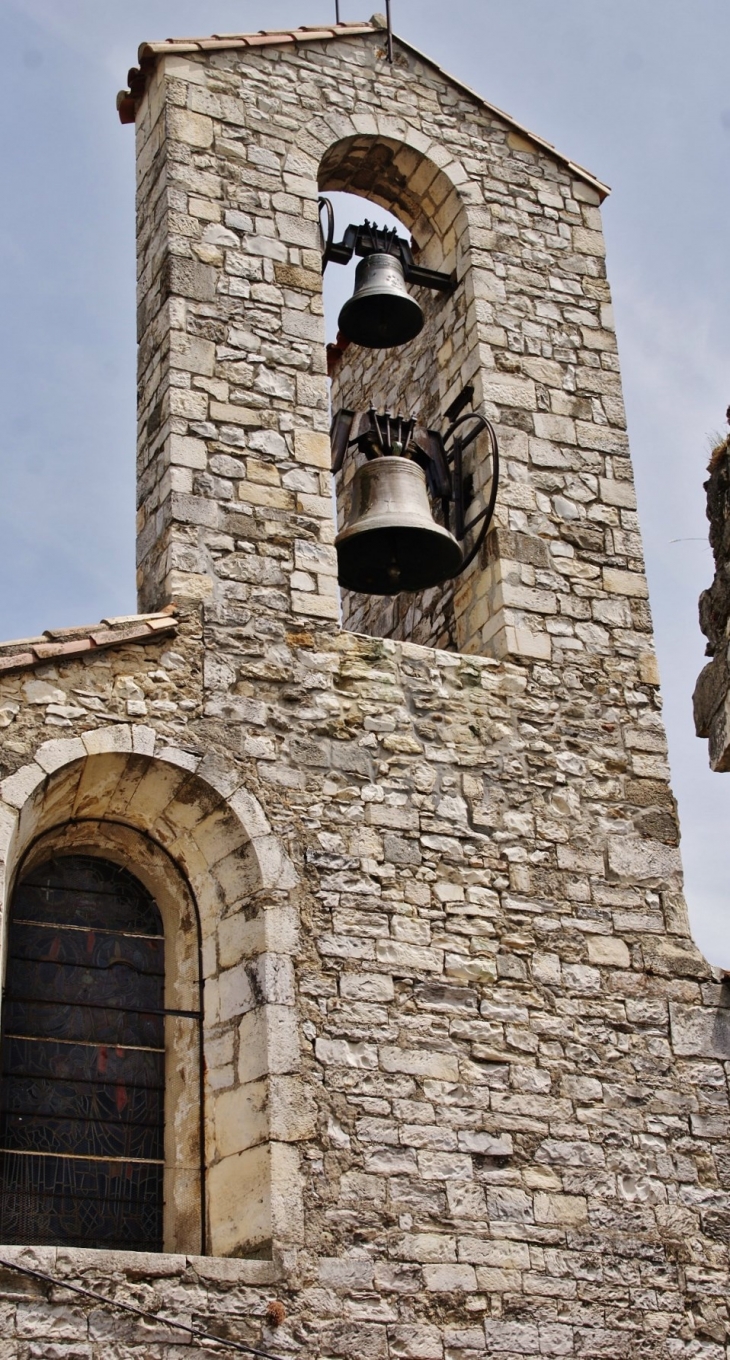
(419, 380)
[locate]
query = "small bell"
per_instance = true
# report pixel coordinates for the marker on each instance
(391, 541)
(381, 313)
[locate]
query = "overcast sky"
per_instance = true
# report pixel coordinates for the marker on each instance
(636, 90)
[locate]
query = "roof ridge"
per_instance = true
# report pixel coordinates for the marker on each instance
(306, 33)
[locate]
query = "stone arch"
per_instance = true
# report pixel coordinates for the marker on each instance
(202, 844)
(408, 179)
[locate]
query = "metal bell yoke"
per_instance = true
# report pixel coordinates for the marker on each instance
(381, 314)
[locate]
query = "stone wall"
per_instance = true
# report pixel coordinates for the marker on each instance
(491, 1110)
(514, 1053)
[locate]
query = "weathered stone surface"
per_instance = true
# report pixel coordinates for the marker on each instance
(700, 1032)
(641, 860)
(465, 1084)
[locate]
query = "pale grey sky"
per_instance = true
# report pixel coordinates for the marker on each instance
(636, 90)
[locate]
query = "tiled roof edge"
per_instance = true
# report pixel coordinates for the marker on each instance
(149, 51)
(128, 100)
(63, 644)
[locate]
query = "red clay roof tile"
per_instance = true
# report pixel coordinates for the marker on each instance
(46, 650)
(17, 662)
(65, 643)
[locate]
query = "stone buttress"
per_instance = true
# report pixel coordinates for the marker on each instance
(465, 1071)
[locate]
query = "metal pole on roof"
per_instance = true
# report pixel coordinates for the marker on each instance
(337, 11)
(390, 31)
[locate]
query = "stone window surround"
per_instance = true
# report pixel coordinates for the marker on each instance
(205, 856)
(184, 1213)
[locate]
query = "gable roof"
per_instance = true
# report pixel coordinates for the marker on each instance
(150, 52)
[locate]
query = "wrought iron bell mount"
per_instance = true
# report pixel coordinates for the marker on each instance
(392, 541)
(381, 314)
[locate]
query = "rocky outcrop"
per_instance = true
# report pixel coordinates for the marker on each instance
(713, 686)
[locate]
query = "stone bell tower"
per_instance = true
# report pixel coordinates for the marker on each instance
(463, 1077)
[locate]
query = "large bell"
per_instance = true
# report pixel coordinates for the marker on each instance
(391, 541)
(381, 313)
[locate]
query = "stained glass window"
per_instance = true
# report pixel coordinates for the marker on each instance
(81, 1101)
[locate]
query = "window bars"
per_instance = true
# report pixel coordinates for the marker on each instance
(82, 1097)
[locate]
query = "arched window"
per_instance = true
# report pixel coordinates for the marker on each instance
(83, 1070)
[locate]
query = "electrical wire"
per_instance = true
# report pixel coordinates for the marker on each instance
(195, 1333)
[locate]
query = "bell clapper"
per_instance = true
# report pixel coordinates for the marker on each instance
(394, 575)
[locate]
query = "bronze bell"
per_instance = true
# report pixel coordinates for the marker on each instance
(381, 313)
(391, 541)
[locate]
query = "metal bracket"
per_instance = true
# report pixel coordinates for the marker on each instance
(368, 239)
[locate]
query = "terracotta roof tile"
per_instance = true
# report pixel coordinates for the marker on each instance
(128, 100)
(58, 634)
(149, 51)
(45, 651)
(121, 619)
(64, 643)
(23, 642)
(17, 662)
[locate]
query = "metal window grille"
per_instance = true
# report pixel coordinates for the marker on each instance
(82, 1096)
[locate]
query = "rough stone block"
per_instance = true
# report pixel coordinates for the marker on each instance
(192, 128)
(346, 1273)
(19, 787)
(188, 278)
(519, 1338)
(701, 1032)
(441, 1066)
(570, 1209)
(641, 860)
(625, 583)
(450, 1279)
(608, 950)
(341, 1053)
(426, 1247)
